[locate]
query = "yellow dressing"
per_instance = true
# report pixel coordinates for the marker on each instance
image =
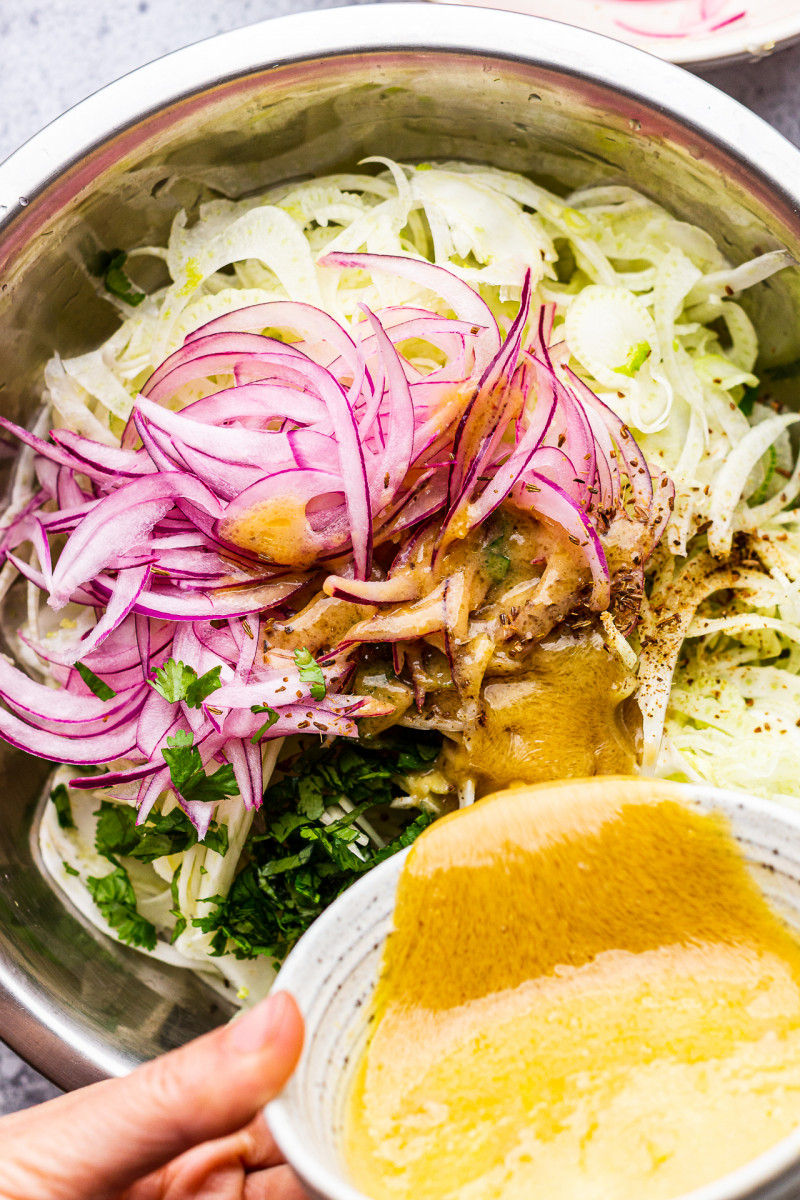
(585, 997)
(564, 717)
(277, 529)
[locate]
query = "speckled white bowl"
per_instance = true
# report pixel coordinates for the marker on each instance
(333, 969)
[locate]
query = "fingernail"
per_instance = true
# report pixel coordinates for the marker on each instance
(262, 1025)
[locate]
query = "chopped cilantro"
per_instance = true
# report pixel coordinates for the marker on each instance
(114, 896)
(61, 800)
(637, 356)
(748, 399)
(409, 835)
(175, 681)
(310, 799)
(417, 757)
(310, 672)
(175, 911)
(100, 689)
(272, 717)
(70, 870)
(496, 563)
(304, 856)
(188, 775)
(116, 831)
(111, 265)
(160, 835)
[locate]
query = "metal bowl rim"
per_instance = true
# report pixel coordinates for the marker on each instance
(414, 27)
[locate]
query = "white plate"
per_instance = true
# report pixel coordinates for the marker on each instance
(700, 32)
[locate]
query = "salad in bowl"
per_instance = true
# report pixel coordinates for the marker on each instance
(409, 484)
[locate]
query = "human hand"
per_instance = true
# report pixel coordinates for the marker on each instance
(186, 1126)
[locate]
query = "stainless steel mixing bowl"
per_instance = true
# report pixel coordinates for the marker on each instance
(301, 95)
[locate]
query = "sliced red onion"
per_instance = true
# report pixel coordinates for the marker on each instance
(119, 522)
(315, 326)
(114, 778)
(59, 708)
(54, 453)
(356, 443)
(391, 467)
(556, 505)
(111, 459)
(485, 419)
(465, 303)
(246, 762)
(261, 401)
(78, 751)
(375, 592)
(416, 620)
(218, 354)
(79, 596)
(130, 584)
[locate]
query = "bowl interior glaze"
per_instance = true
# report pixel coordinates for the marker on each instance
(277, 101)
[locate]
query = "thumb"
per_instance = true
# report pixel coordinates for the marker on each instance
(103, 1138)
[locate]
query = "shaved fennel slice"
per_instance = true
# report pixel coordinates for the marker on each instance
(729, 485)
(266, 233)
(605, 327)
(732, 721)
(470, 219)
(736, 279)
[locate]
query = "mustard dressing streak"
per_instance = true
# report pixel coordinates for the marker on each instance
(585, 996)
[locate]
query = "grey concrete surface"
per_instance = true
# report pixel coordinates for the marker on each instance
(56, 53)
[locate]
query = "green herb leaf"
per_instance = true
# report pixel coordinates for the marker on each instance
(188, 776)
(217, 838)
(203, 686)
(304, 860)
(175, 682)
(637, 356)
(406, 838)
(310, 672)
(175, 911)
(116, 831)
(116, 899)
(749, 398)
(100, 689)
(272, 717)
(60, 798)
(496, 563)
(70, 870)
(310, 802)
(111, 264)
(161, 834)
(211, 788)
(417, 758)
(280, 866)
(285, 825)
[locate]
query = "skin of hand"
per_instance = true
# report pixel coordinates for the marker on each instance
(186, 1126)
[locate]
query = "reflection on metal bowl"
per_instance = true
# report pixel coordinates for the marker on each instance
(297, 96)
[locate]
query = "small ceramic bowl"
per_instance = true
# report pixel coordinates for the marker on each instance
(333, 969)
